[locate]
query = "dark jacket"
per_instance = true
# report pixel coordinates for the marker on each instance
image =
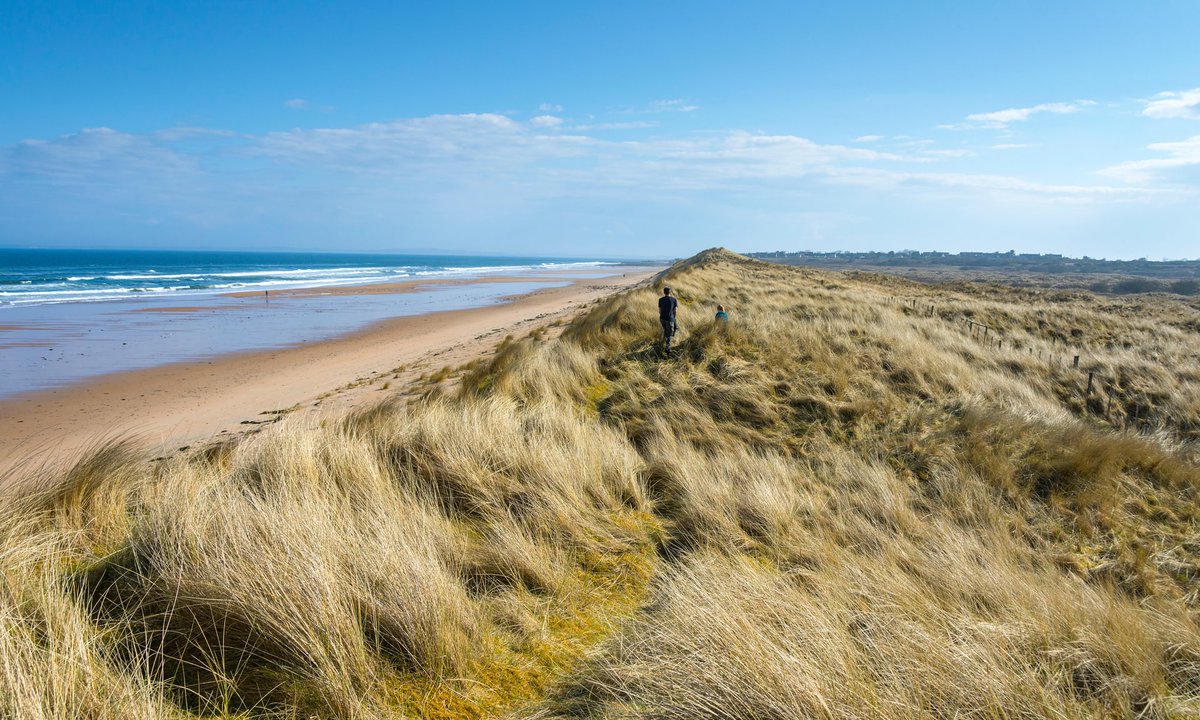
(667, 306)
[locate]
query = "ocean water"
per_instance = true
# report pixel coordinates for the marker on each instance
(41, 277)
(60, 344)
(70, 315)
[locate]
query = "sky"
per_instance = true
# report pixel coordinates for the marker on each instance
(611, 129)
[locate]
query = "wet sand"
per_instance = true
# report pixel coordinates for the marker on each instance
(171, 406)
(385, 288)
(56, 345)
(407, 286)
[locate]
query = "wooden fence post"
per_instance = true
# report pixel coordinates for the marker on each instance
(1089, 390)
(1076, 362)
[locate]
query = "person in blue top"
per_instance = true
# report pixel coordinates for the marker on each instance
(667, 306)
(722, 316)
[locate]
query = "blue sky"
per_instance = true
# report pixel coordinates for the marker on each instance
(615, 129)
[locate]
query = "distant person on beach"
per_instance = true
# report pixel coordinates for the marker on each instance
(667, 306)
(722, 316)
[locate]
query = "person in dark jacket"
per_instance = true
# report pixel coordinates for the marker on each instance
(667, 306)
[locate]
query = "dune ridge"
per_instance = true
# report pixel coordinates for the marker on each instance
(836, 505)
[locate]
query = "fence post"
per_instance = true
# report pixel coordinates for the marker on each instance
(1089, 390)
(1076, 362)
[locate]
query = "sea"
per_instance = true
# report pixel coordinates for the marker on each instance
(67, 316)
(39, 277)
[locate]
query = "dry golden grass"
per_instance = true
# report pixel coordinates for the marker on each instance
(836, 505)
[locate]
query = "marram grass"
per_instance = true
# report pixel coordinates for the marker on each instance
(841, 504)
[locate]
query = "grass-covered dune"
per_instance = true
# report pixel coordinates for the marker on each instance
(841, 504)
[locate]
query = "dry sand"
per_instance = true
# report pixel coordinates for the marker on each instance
(169, 407)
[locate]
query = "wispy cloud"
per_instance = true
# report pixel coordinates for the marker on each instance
(1001, 119)
(868, 138)
(1167, 105)
(93, 153)
(1182, 154)
(922, 149)
(949, 153)
(302, 104)
(675, 105)
(631, 125)
(744, 155)
(451, 168)
(991, 185)
(550, 108)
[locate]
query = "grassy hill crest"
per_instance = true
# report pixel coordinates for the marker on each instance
(845, 502)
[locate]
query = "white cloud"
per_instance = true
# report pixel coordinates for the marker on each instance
(442, 144)
(1010, 146)
(93, 153)
(632, 125)
(660, 106)
(546, 121)
(990, 184)
(745, 155)
(101, 172)
(550, 108)
(950, 153)
(1182, 154)
(1185, 104)
(1000, 119)
(672, 106)
(920, 149)
(186, 132)
(440, 166)
(302, 104)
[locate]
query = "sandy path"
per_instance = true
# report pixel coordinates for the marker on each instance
(175, 405)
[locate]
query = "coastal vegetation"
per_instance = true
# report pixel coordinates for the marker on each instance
(1118, 277)
(861, 497)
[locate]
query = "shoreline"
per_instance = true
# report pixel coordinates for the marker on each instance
(56, 345)
(390, 287)
(408, 285)
(167, 407)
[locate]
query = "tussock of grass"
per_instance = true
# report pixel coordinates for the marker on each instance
(833, 505)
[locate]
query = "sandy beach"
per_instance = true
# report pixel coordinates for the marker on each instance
(413, 285)
(173, 406)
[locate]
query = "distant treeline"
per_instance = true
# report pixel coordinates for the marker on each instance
(1178, 276)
